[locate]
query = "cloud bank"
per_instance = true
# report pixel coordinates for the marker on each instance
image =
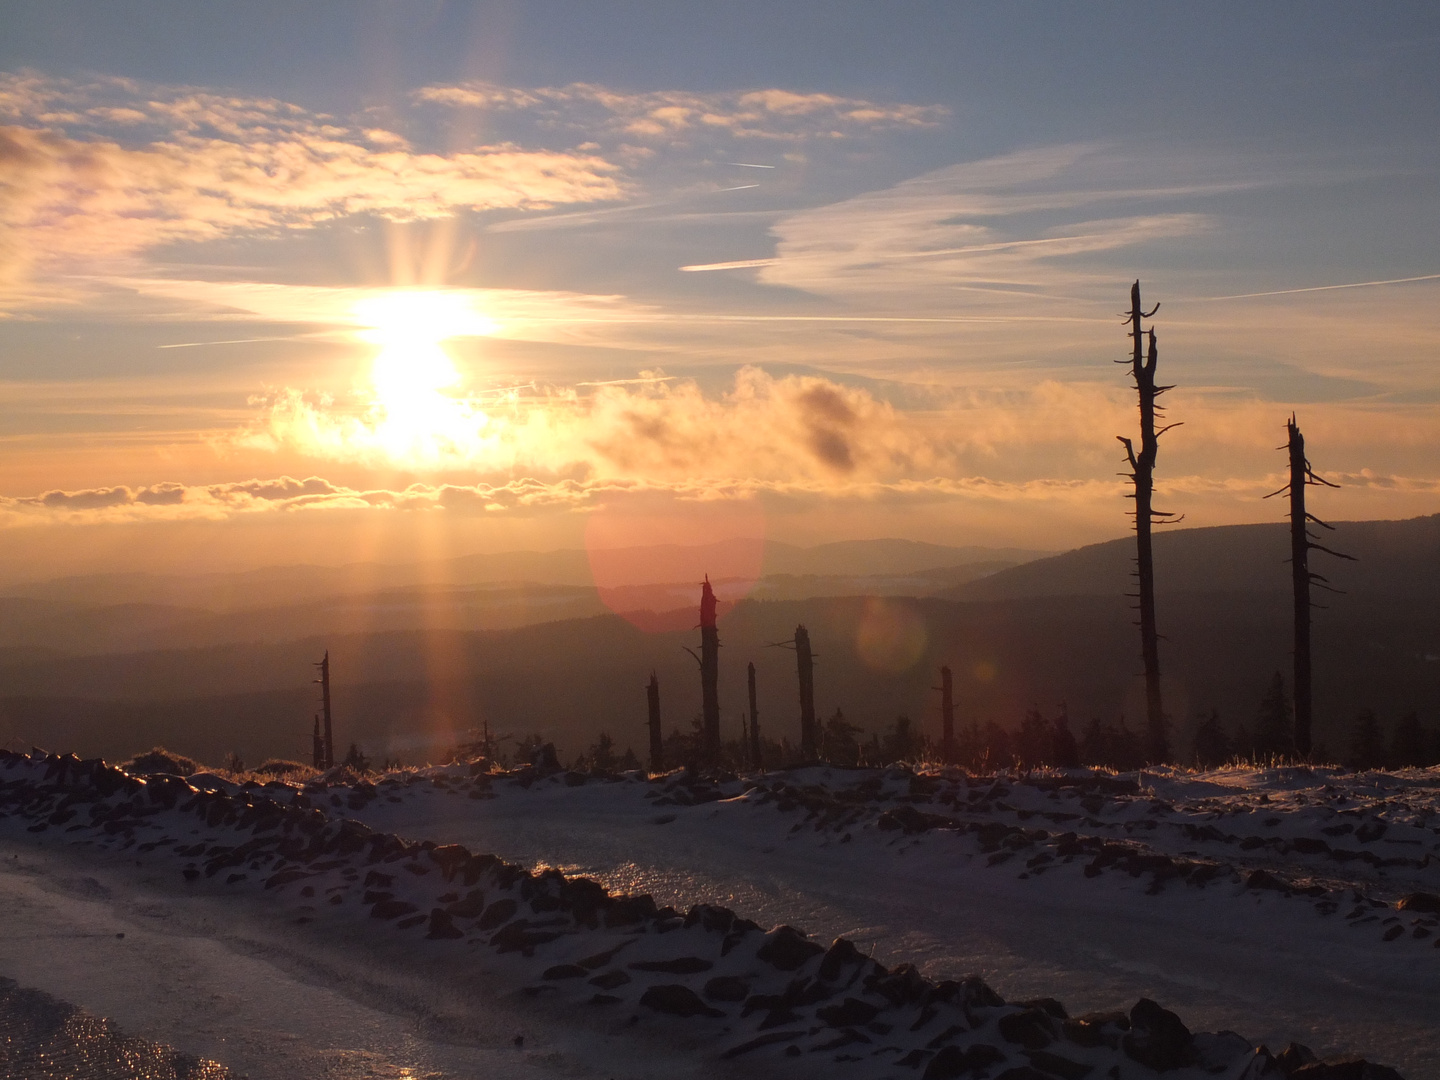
(188, 167)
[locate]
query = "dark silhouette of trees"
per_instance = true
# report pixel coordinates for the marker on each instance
(657, 745)
(947, 715)
(805, 669)
(1302, 542)
(902, 743)
(1273, 723)
(356, 760)
(601, 755)
(1032, 740)
(1408, 747)
(837, 740)
(1211, 747)
(1065, 751)
(1142, 473)
(1367, 745)
(755, 755)
(1113, 746)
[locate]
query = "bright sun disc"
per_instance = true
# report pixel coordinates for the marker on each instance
(411, 373)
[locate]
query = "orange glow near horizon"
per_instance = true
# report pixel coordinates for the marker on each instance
(651, 560)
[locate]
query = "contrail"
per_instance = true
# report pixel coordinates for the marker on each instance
(232, 341)
(748, 165)
(1318, 288)
(739, 187)
(740, 265)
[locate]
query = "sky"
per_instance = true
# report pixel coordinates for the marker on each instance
(343, 281)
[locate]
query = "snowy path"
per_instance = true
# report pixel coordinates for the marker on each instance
(220, 981)
(1268, 966)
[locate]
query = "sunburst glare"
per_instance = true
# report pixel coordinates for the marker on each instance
(417, 418)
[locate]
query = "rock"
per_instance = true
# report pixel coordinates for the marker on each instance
(676, 1000)
(609, 980)
(627, 910)
(852, 1012)
(468, 908)
(683, 965)
(763, 1040)
(1046, 1005)
(1263, 879)
(1157, 1038)
(727, 988)
(1293, 1056)
(901, 986)
(1344, 1068)
(519, 937)
(841, 955)
(564, 971)
(1097, 1029)
(498, 913)
(599, 960)
(441, 926)
(1423, 902)
(391, 909)
(787, 948)
(449, 857)
(1022, 1072)
(1059, 1066)
(1031, 1028)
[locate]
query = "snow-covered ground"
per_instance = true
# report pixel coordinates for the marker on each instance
(811, 848)
(280, 939)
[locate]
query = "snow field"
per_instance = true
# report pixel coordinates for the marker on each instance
(708, 984)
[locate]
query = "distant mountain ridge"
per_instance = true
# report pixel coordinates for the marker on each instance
(1393, 558)
(651, 565)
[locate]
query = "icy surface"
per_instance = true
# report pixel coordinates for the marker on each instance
(1275, 966)
(286, 940)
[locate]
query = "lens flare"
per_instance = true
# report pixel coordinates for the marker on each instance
(891, 636)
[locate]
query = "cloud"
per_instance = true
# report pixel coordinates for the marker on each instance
(668, 115)
(1001, 232)
(806, 429)
(84, 183)
(1072, 499)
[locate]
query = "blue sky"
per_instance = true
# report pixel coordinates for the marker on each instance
(855, 264)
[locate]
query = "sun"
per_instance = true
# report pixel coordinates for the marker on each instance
(420, 420)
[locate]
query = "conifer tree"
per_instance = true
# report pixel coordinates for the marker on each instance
(1367, 746)
(1407, 745)
(1273, 725)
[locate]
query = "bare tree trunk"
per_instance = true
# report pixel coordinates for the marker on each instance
(657, 749)
(709, 675)
(754, 723)
(947, 715)
(1300, 584)
(1142, 472)
(329, 736)
(805, 662)
(1302, 542)
(317, 746)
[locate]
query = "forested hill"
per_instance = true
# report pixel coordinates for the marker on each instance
(1393, 558)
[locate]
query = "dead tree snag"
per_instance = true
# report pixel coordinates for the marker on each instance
(1142, 473)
